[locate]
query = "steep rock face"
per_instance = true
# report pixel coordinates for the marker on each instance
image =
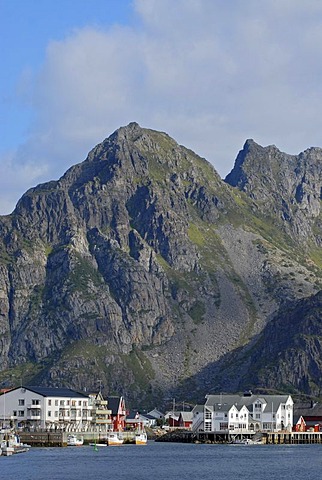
(286, 356)
(141, 268)
(288, 185)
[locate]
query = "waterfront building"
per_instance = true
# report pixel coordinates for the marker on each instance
(45, 408)
(244, 414)
(101, 413)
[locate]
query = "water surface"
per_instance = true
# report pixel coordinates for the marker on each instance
(167, 461)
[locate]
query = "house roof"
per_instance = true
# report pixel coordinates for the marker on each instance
(307, 409)
(226, 402)
(198, 409)
(133, 415)
(55, 392)
(156, 413)
(172, 414)
(186, 416)
(148, 416)
(114, 404)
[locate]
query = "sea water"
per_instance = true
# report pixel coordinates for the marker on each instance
(167, 461)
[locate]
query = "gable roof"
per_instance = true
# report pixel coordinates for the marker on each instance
(197, 409)
(148, 416)
(55, 392)
(156, 413)
(226, 402)
(186, 416)
(114, 404)
(307, 410)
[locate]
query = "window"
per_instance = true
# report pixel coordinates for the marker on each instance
(62, 402)
(21, 413)
(56, 403)
(56, 413)
(79, 402)
(14, 413)
(49, 403)
(207, 415)
(21, 402)
(49, 413)
(84, 403)
(35, 402)
(257, 415)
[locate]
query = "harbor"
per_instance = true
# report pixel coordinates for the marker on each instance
(265, 438)
(60, 439)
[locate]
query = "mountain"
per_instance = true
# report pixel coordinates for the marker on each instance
(142, 270)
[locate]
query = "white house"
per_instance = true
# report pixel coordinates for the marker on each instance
(45, 407)
(246, 413)
(156, 414)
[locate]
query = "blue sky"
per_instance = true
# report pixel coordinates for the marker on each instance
(211, 73)
(27, 27)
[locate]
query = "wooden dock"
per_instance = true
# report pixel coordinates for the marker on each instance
(59, 439)
(292, 438)
(44, 439)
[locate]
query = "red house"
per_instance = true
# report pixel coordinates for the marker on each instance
(185, 420)
(117, 405)
(308, 417)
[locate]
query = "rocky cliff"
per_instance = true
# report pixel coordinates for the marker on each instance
(141, 269)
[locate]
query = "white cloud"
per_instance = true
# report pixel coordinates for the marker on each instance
(211, 73)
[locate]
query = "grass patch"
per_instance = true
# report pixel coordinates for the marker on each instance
(195, 235)
(197, 312)
(83, 274)
(21, 374)
(140, 366)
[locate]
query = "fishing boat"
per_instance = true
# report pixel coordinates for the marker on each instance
(10, 444)
(141, 438)
(114, 438)
(74, 441)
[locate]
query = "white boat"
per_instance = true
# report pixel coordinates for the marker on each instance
(74, 441)
(11, 444)
(141, 438)
(245, 441)
(94, 444)
(7, 451)
(114, 438)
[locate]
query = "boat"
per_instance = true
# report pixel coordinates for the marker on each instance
(245, 441)
(141, 438)
(74, 441)
(114, 438)
(11, 444)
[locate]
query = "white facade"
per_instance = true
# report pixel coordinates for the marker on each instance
(40, 407)
(238, 414)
